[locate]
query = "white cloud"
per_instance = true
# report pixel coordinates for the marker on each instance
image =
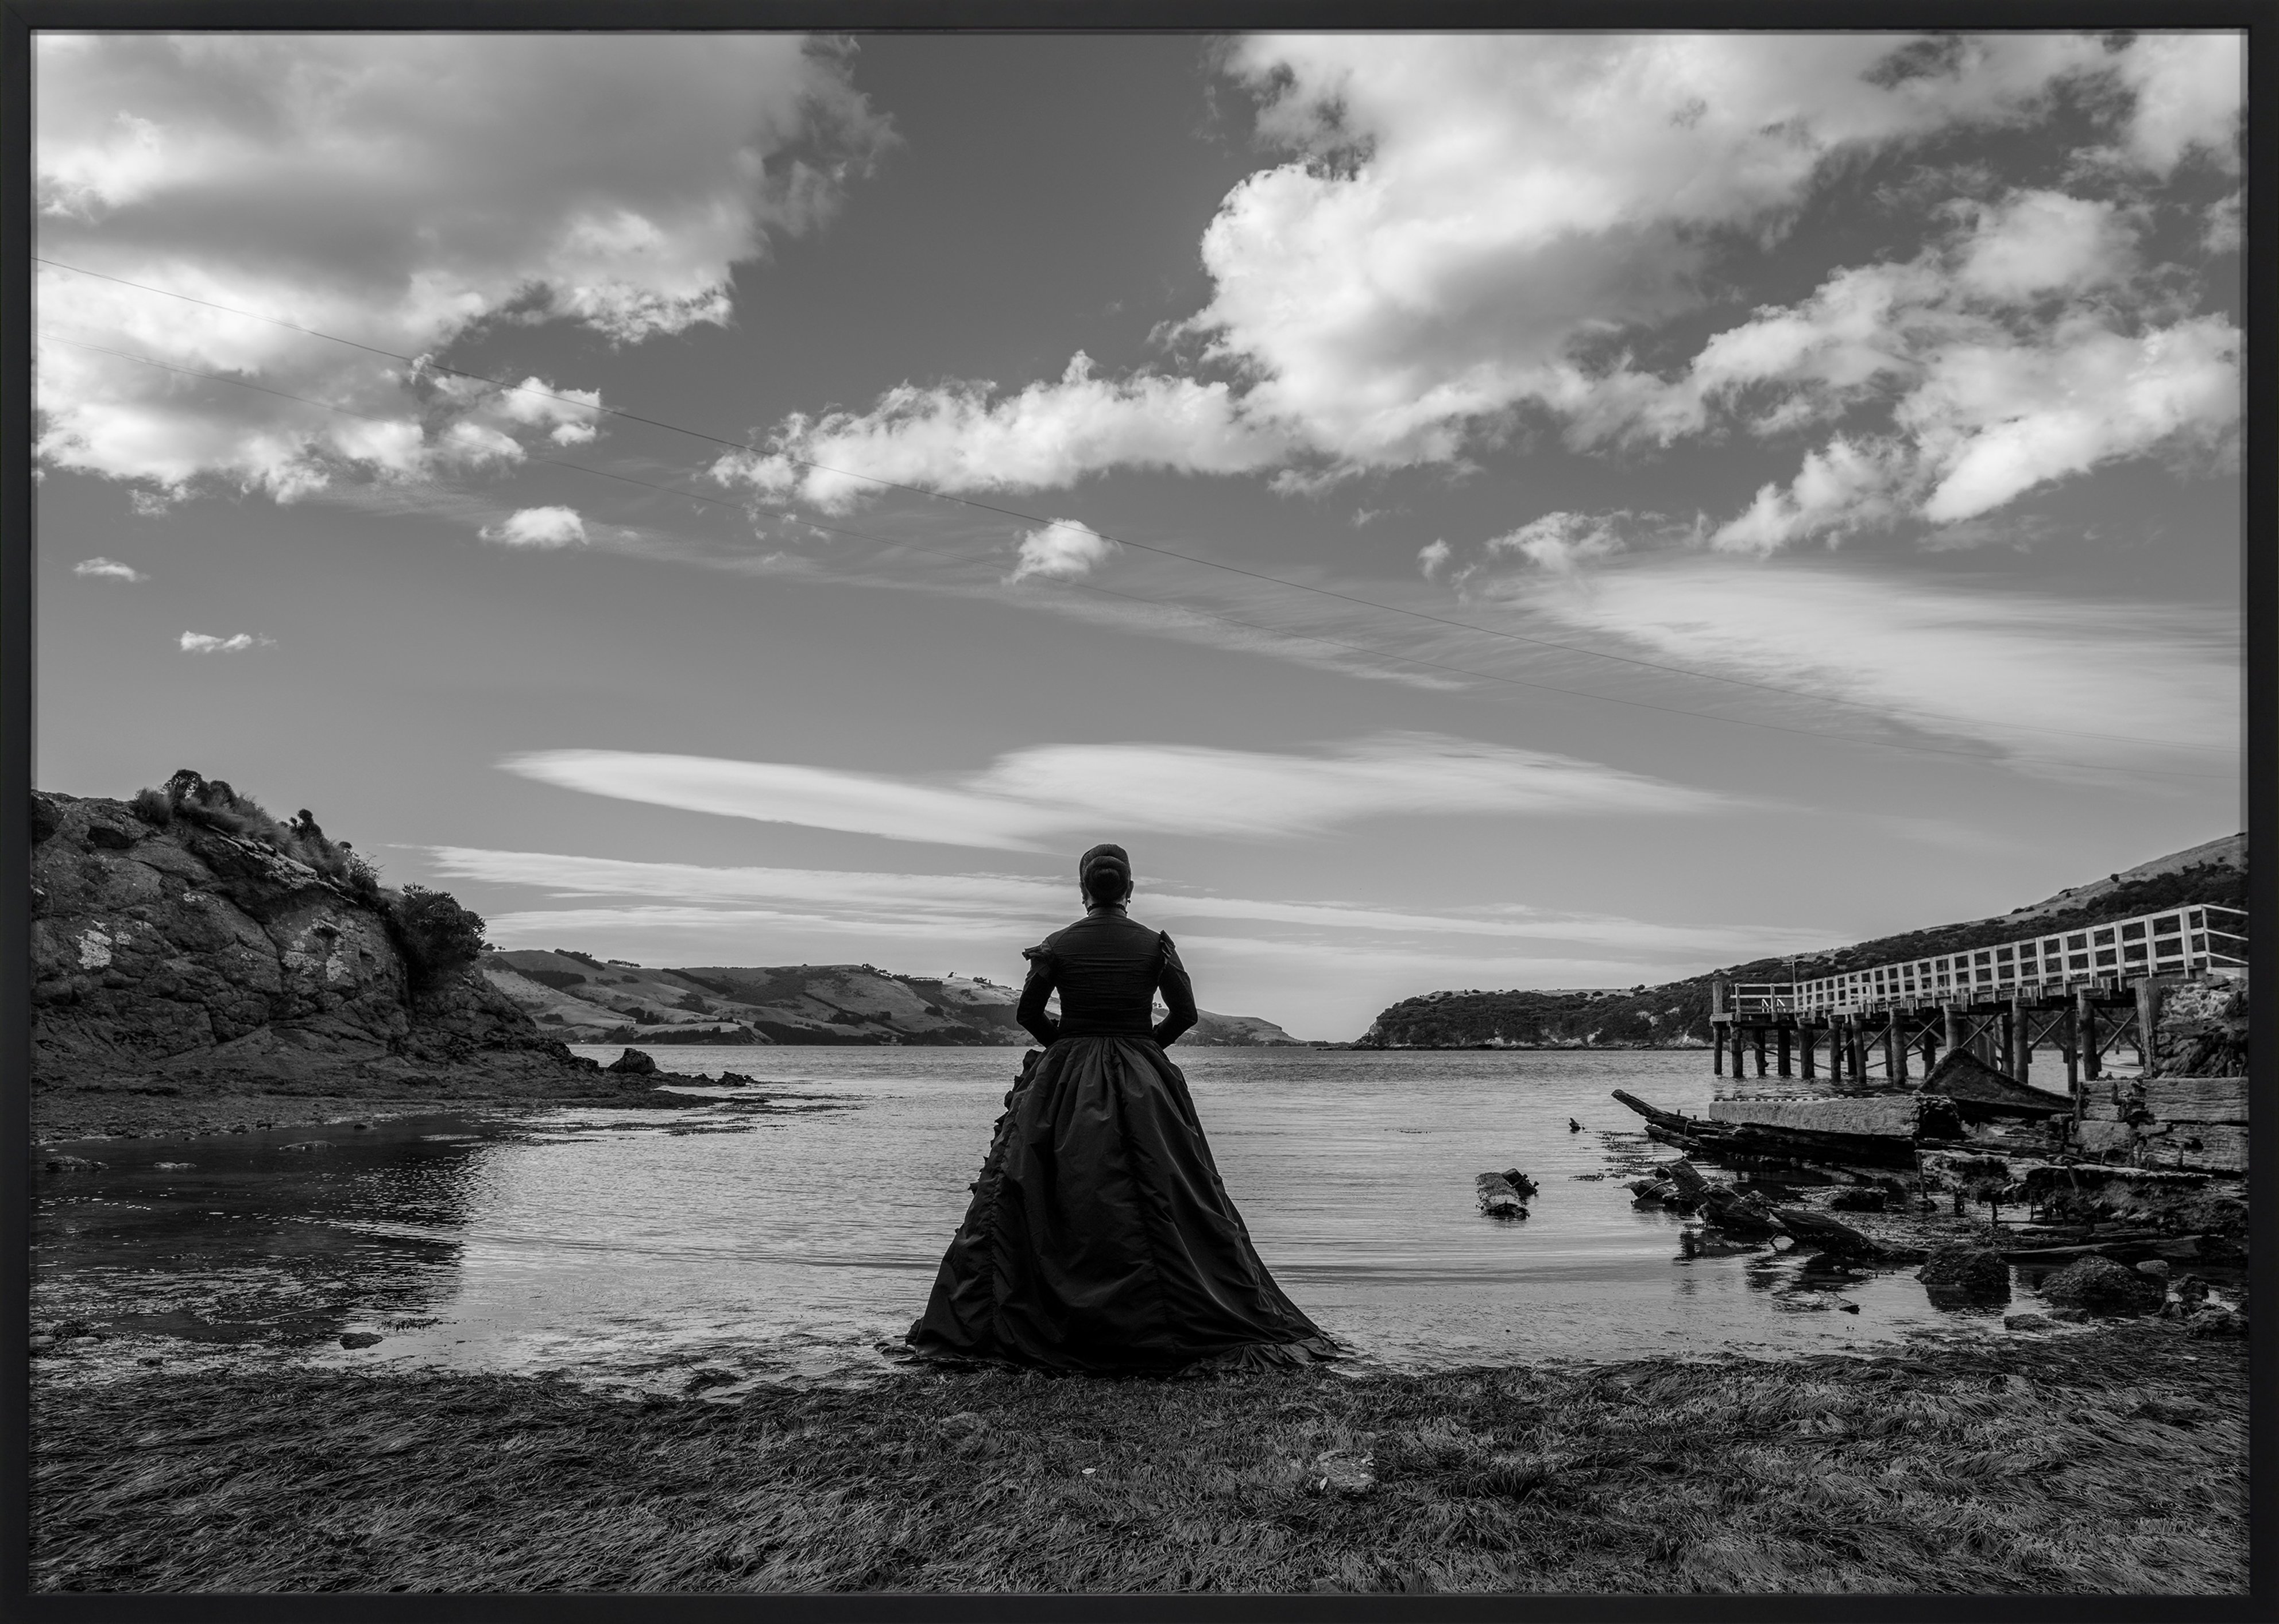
(1994, 420)
(1505, 197)
(1458, 216)
(1063, 550)
(2039, 242)
(2189, 91)
(1558, 541)
(1999, 360)
(109, 568)
(1974, 660)
(1029, 795)
(199, 642)
(396, 190)
(538, 527)
(2222, 234)
(967, 437)
(1433, 556)
(1841, 488)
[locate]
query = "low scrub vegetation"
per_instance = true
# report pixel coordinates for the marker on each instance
(436, 936)
(189, 797)
(2100, 1462)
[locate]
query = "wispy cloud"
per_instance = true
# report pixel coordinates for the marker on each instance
(199, 642)
(1319, 967)
(2042, 674)
(1014, 804)
(108, 568)
(991, 905)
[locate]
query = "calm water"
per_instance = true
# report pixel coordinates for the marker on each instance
(630, 1246)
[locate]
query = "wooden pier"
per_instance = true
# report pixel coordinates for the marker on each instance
(2083, 993)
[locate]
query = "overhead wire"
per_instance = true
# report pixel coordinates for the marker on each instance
(1277, 631)
(1467, 671)
(1689, 672)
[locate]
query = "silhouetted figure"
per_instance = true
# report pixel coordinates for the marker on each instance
(1100, 1237)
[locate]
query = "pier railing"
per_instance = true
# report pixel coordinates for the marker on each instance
(2201, 940)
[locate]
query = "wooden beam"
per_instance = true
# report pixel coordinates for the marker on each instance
(2148, 1021)
(2084, 1015)
(1782, 1038)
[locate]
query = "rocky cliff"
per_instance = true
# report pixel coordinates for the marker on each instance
(181, 957)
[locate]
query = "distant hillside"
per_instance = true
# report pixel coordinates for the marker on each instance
(1677, 1014)
(585, 999)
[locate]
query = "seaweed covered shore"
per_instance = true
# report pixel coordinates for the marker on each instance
(2109, 1459)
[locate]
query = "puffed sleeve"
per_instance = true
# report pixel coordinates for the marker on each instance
(1178, 994)
(1038, 987)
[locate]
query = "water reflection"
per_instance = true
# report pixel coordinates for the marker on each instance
(789, 1238)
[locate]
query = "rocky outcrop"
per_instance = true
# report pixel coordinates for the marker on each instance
(184, 955)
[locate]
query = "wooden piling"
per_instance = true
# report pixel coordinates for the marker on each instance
(1782, 1036)
(1807, 1040)
(1717, 1048)
(2148, 1021)
(2092, 1064)
(1899, 1046)
(2022, 1039)
(1757, 1037)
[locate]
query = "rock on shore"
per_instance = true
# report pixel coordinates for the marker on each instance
(186, 961)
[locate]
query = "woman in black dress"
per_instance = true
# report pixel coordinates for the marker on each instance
(1100, 1238)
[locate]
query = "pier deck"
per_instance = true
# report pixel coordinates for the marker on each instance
(2083, 992)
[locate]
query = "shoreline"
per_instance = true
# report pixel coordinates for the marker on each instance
(2110, 1458)
(67, 1112)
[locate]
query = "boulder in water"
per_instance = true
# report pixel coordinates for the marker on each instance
(2097, 1284)
(632, 1063)
(1954, 1275)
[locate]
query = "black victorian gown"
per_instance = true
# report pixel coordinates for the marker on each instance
(1100, 1238)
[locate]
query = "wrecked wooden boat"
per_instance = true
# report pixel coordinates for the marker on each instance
(1878, 1130)
(1981, 1094)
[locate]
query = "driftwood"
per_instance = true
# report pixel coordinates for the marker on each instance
(1498, 1198)
(1653, 1113)
(1818, 1231)
(2123, 1250)
(1688, 1179)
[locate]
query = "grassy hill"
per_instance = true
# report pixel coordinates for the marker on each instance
(1677, 1014)
(584, 999)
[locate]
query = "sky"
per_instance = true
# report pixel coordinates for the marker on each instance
(1465, 511)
